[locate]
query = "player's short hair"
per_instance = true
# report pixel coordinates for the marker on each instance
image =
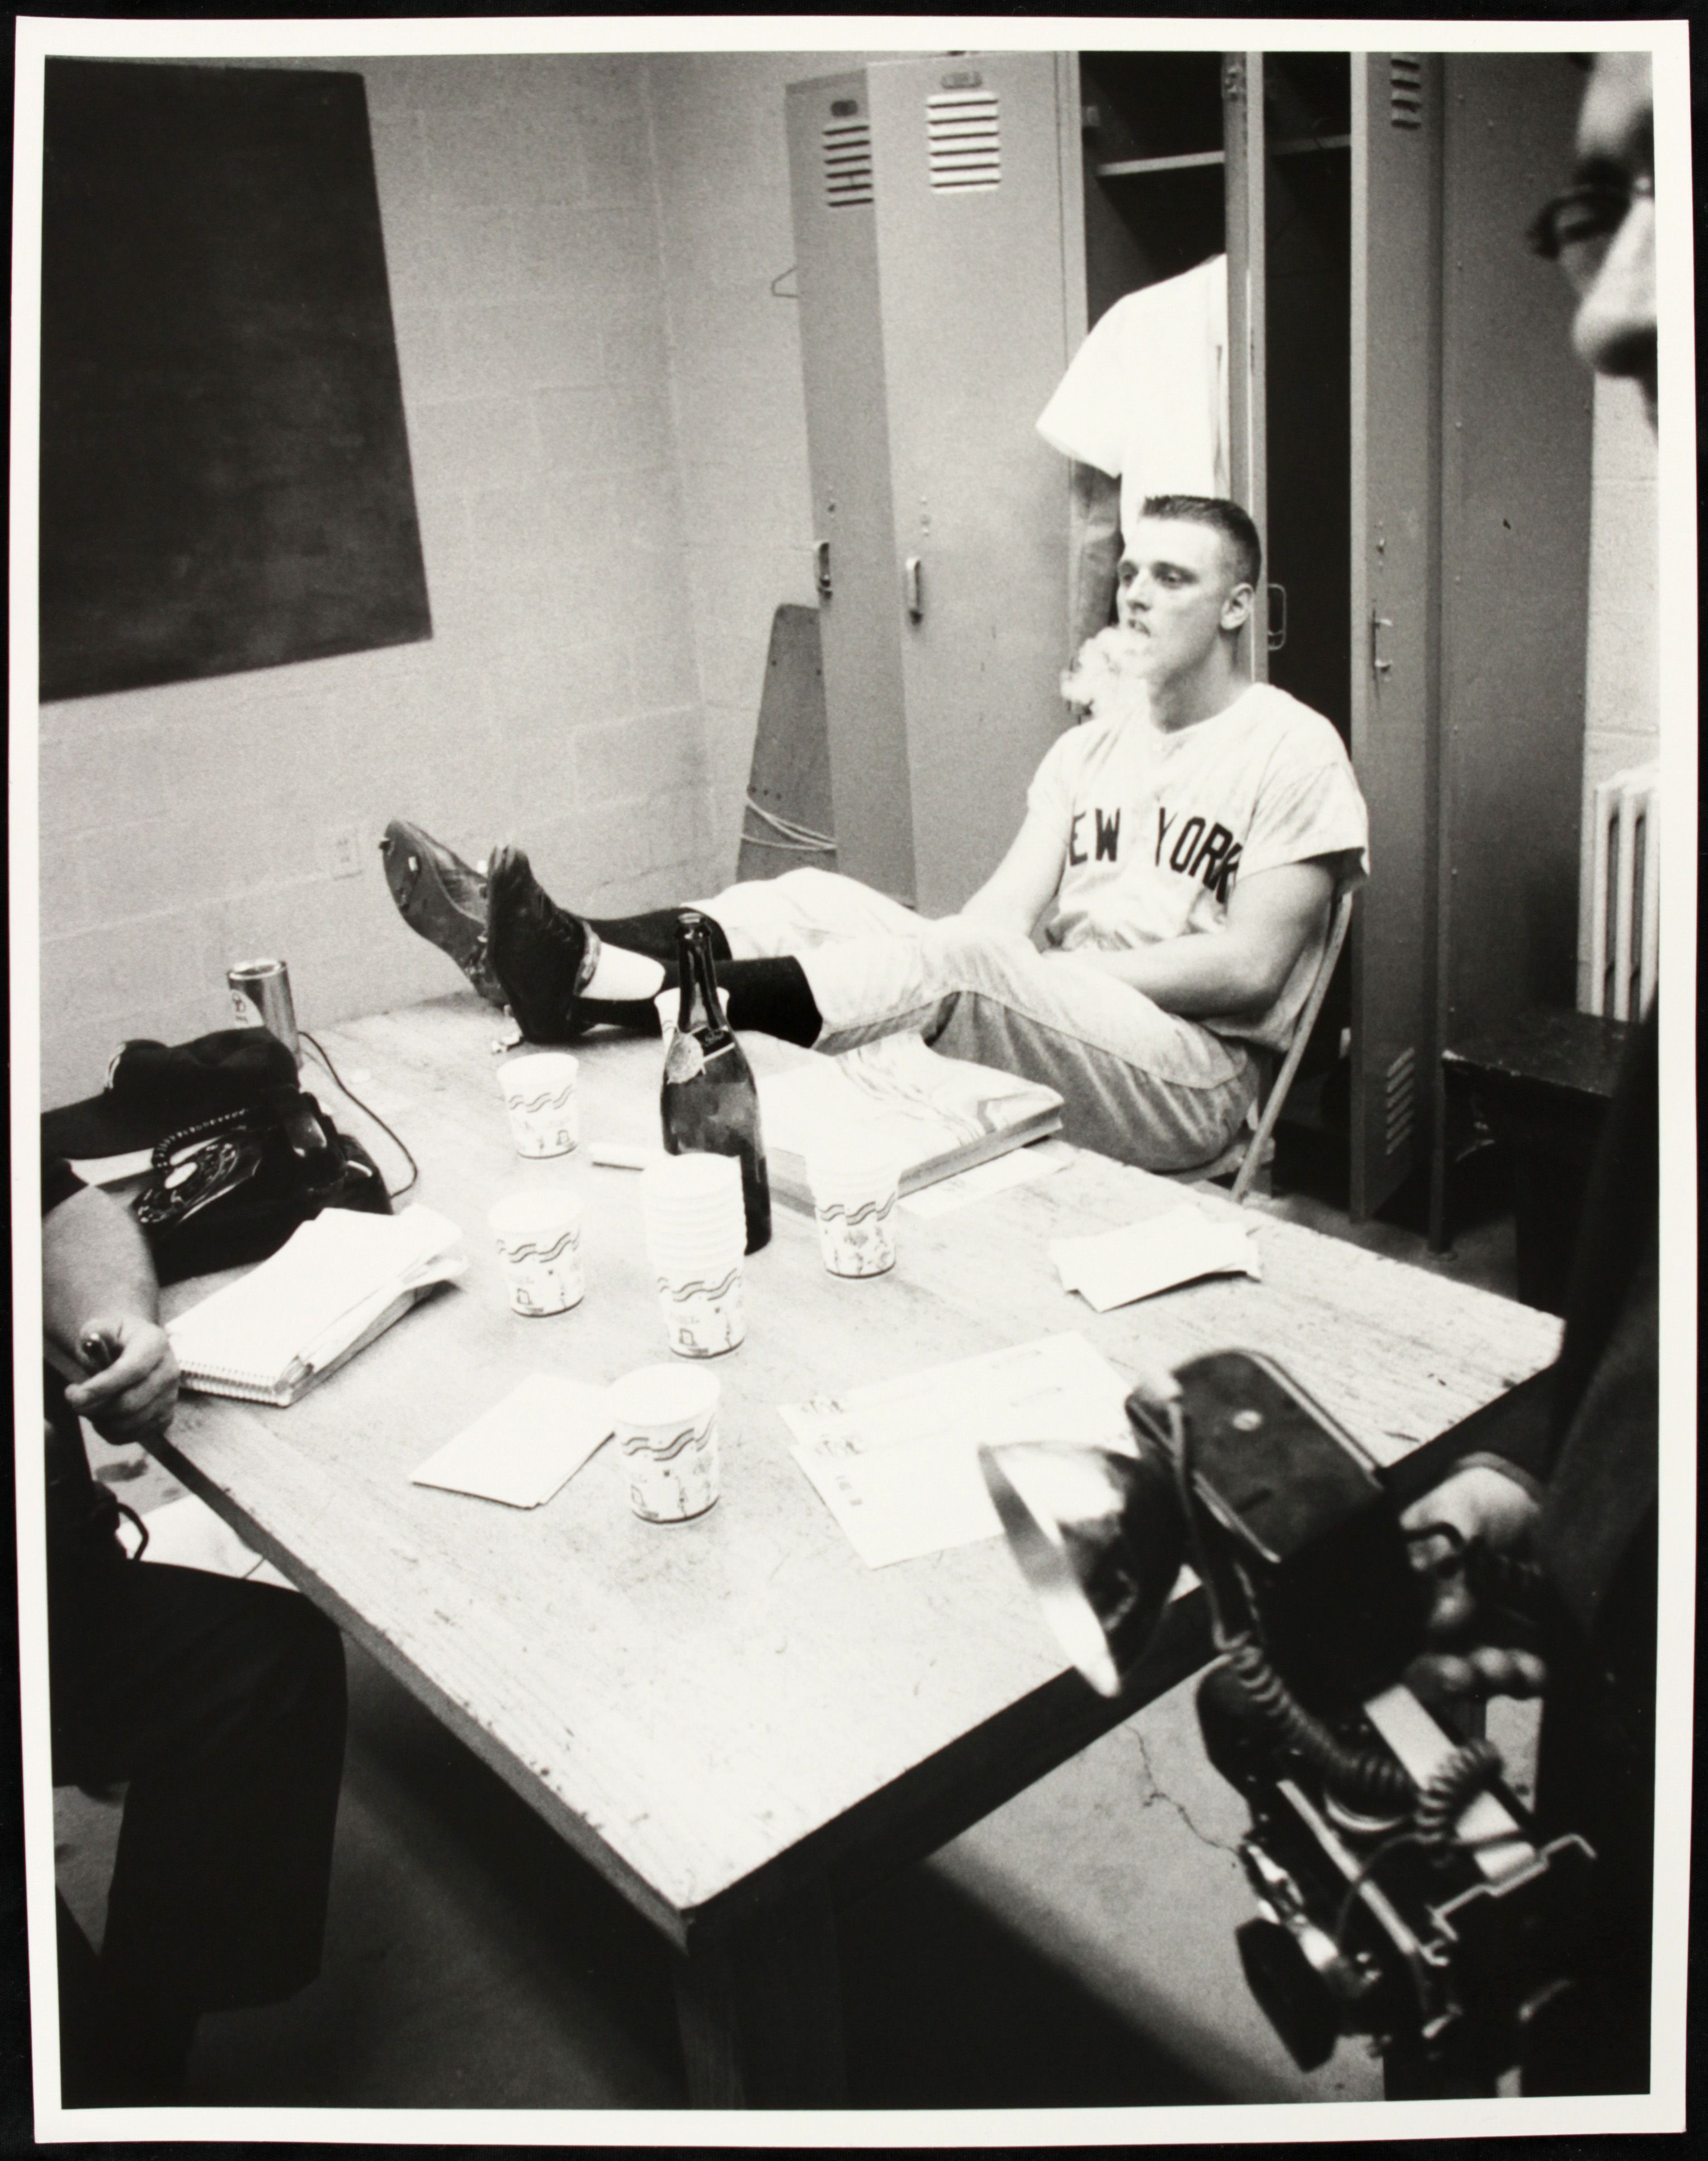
(1245, 550)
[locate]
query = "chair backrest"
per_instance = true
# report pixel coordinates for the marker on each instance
(1340, 919)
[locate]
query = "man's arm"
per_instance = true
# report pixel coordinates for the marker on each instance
(1023, 884)
(1094, 551)
(97, 1278)
(1239, 971)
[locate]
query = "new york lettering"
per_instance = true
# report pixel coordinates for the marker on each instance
(1211, 856)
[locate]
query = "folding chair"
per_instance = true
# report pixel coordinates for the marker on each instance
(1244, 1155)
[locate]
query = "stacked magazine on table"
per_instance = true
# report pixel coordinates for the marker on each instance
(940, 1114)
(336, 1284)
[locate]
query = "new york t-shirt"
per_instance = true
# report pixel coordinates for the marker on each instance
(1157, 828)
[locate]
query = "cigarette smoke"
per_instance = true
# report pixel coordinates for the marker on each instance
(1107, 680)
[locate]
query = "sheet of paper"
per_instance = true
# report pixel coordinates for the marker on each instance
(526, 1446)
(317, 1293)
(1114, 1267)
(897, 1464)
(996, 1176)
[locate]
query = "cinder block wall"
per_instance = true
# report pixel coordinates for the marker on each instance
(559, 698)
(728, 238)
(1621, 689)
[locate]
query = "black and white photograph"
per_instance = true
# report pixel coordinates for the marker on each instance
(734, 1450)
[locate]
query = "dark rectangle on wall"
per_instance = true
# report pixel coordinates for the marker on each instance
(225, 469)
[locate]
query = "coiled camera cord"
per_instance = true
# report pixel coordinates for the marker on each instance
(1365, 1776)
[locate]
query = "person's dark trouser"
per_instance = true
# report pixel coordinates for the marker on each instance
(1596, 1776)
(222, 1703)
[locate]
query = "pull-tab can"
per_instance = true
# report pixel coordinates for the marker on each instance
(261, 998)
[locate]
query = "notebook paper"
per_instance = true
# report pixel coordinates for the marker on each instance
(333, 1285)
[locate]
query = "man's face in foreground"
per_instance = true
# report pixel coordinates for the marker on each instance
(1177, 589)
(1609, 251)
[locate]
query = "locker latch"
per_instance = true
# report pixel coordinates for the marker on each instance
(1378, 623)
(1278, 616)
(912, 594)
(821, 569)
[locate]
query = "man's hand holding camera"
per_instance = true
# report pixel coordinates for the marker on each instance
(1477, 1510)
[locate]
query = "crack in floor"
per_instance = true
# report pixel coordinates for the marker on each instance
(1156, 1792)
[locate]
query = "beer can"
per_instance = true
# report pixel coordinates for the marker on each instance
(261, 998)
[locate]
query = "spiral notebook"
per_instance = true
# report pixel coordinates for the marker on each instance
(334, 1285)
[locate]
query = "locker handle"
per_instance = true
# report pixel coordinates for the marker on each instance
(1378, 623)
(821, 569)
(913, 593)
(1278, 616)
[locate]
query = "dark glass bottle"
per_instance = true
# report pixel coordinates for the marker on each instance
(709, 1102)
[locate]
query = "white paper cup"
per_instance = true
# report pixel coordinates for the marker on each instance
(854, 1203)
(683, 1186)
(704, 1311)
(665, 1418)
(696, 1233)
(713, 1230)
(680, 1261)
(694, 1203)
(539, 1241)
(539, 1100)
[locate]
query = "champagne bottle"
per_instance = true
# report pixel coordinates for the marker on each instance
(709, 1102)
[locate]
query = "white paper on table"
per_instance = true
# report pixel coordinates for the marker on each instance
(337, 1280)
(1018, 1168)
(526, 1446)
(1114, 1267)
(897, 1464)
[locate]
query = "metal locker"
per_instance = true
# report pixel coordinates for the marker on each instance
(1395, 457)
(941, 275)
(1391, 472)
(1244, 155)
(1515, 481)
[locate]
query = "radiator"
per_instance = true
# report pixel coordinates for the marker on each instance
(1625, 894)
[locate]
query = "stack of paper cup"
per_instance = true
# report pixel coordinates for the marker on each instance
(666, 1420)
(853, 1178)
(540, 1239)
(696, 1230)
(539, 1100)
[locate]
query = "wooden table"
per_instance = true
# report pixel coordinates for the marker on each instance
(734, 1720)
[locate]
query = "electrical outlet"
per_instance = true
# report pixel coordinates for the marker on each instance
(345, 847)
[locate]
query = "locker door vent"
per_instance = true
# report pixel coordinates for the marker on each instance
(1405, 89)
(964, 129)
(1401, 1104)
(848, 158)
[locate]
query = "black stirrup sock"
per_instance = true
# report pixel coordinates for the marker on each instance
(773, 996)
(654, 934)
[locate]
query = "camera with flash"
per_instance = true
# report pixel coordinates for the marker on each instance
(1401, 1891)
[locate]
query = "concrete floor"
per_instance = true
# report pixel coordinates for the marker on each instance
(1076, 1948)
